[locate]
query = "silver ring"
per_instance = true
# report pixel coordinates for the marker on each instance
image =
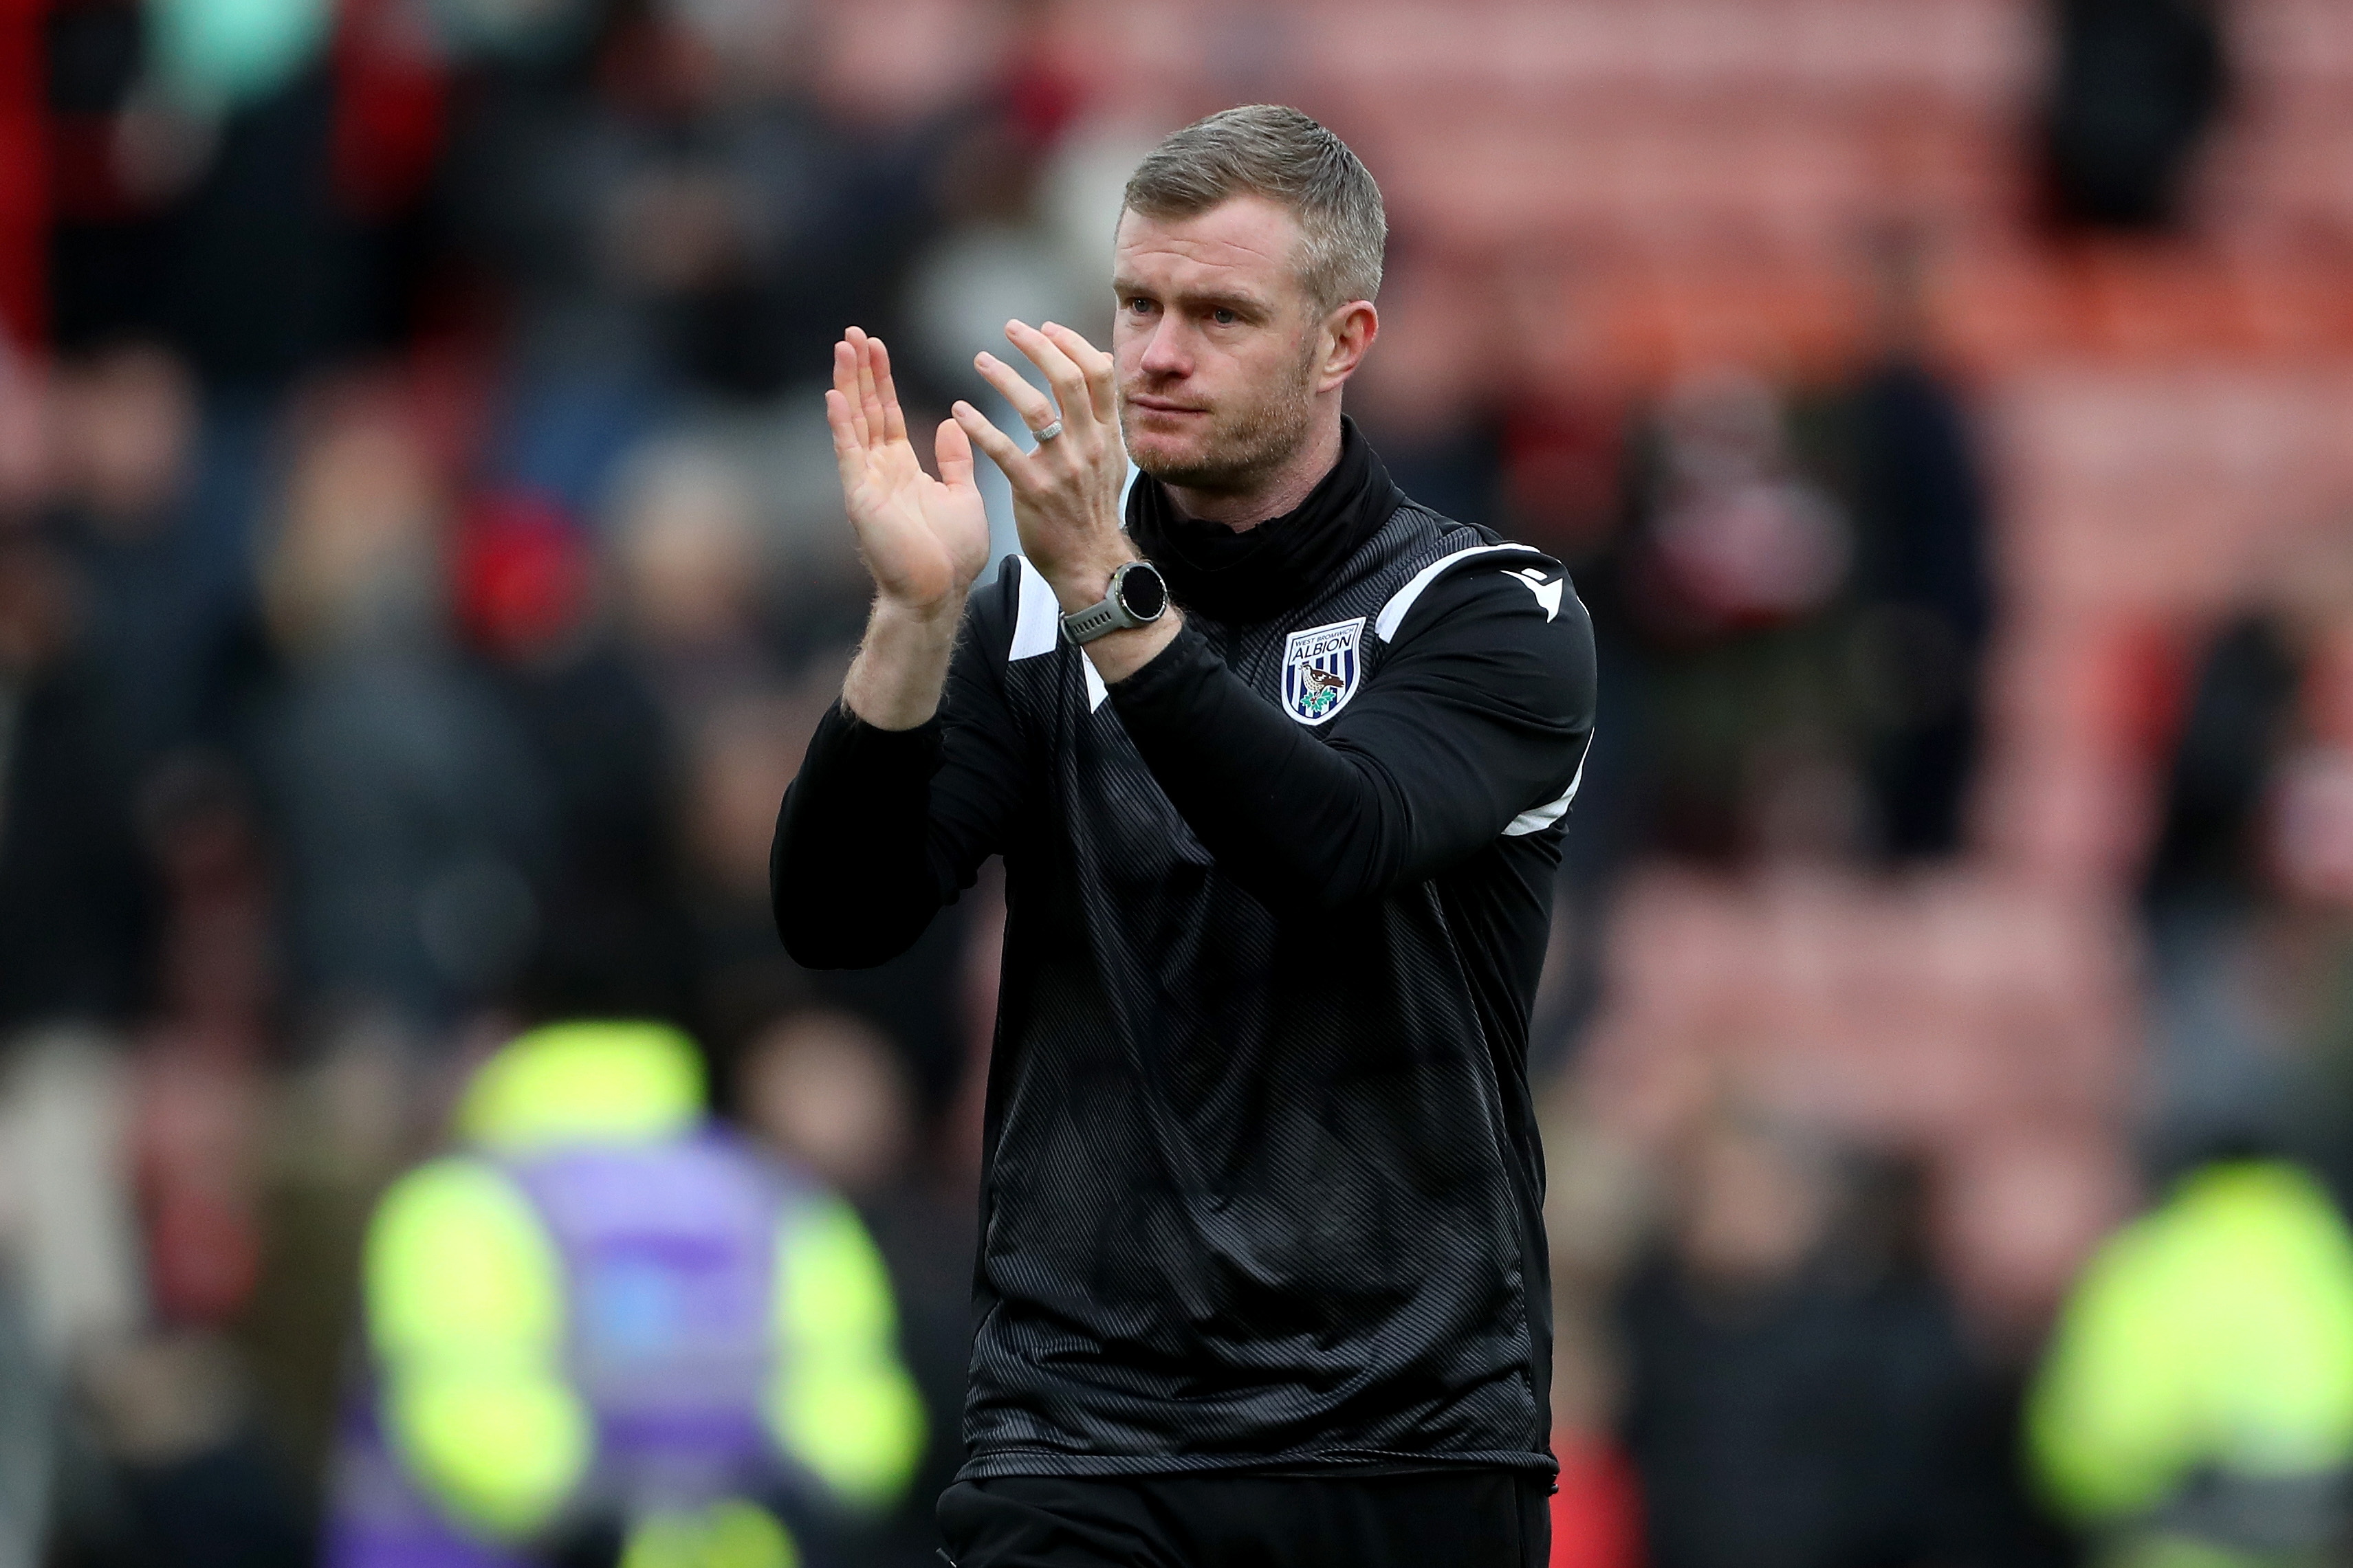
(1050, 431)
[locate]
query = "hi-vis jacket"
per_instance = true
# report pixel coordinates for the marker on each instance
(607, 1313)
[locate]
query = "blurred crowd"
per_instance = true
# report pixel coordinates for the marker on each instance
(421, 567)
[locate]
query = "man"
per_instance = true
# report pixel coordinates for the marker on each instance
(606, 1331)
(1262, 1276)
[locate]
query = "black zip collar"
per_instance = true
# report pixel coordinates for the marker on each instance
(1246, 578)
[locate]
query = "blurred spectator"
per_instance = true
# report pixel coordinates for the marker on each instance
(740, 754)
(690, 575)
(147, 1420)
(172, 638)
(236, 178)
(415, 824)
(193, 1485)
(27, 438)
(212, 54)
(827, 1091)
(528, 597)
(2210, 851)
(74, 898)
(665, 213)
(2138, 83)
(1797, 1389)
(607, 1332)
(995, 259)
(1923, 578)
(501, 28)
(1599, 1204)
(1728, 589)
(691, 572)
(2243, 893)
(26, 1463)
(2197, 1403)
(1429, 402)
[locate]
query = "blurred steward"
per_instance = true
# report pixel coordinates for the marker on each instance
(606, 1332)
(2195, 1405)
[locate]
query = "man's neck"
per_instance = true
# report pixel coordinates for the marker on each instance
(1242, 511)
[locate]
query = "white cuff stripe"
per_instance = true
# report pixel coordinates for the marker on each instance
(1038, 629)
(1537, 818)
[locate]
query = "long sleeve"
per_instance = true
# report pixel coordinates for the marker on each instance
(1478, 719)
(883, 827)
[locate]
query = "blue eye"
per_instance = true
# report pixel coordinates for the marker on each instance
(1224, 318)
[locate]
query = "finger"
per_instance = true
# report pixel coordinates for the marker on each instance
(1069, 383)
(849, 451)
(895, 421)
(845, 382)
(1036, 411)
(1100, 369)
(870, 400)
(995, 442)
(953, 450)
(838, 419)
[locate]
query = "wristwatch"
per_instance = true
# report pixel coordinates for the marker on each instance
(1138, 596)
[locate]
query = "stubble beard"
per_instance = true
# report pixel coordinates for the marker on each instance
(1245, 445)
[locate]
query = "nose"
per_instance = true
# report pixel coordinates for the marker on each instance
(1167, 356)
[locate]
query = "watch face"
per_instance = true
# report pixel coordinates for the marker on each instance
(1142, 593)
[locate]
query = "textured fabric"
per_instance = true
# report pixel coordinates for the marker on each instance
(1483, 1519)
(1263, 1179)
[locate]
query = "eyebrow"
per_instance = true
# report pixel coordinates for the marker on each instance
(1215, 299)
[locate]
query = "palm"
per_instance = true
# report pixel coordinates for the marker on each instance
(923, 539)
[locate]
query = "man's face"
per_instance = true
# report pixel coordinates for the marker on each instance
(1217, 342)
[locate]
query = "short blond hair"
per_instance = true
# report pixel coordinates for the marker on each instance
(1271, 150)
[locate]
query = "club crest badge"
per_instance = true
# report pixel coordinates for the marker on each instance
(1321, 669)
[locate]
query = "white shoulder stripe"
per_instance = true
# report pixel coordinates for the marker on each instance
(1535, 819)
(1393, 614)
(1038, 629)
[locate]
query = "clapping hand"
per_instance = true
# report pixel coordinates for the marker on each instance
(923, 539)
(1066, 490)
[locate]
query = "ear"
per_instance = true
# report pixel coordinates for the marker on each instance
(1348, 332)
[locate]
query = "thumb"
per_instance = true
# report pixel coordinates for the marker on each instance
(953, 449)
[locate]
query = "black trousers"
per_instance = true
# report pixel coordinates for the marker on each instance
(1476, 1519)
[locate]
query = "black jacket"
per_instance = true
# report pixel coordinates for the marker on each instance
(1262, 1181)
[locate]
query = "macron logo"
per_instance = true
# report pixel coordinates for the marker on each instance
(1547, 594)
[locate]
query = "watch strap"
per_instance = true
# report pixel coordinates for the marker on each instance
(1098, 619)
